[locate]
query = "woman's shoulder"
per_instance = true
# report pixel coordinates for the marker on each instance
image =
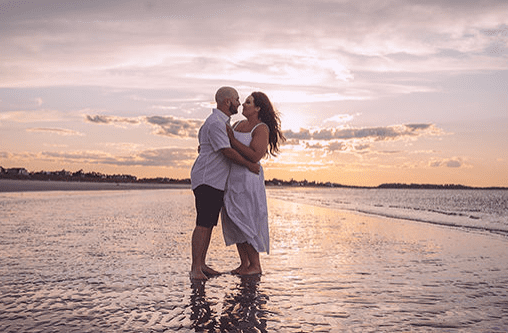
(237, 123)
(259, 128)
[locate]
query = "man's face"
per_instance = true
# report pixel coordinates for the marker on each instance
(235, 103)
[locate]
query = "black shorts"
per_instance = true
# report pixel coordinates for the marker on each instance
(209, 202)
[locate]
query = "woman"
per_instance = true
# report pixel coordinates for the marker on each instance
(245, 219)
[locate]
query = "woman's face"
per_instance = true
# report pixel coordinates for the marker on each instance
(249, 108)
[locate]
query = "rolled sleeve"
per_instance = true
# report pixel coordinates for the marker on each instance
(218, 136)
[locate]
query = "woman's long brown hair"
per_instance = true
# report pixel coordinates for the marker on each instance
(270, 117)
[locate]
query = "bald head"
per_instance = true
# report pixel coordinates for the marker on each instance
(228, 100)
(224, 93)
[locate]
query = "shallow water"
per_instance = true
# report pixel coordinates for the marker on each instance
(118, 262)
(473, 209)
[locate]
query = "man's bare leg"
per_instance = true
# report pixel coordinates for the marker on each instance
(205, 268)
(200, 242)
(244, 258)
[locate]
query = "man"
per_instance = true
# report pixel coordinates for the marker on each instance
(209, 174)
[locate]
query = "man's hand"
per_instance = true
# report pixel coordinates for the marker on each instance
(237, 158)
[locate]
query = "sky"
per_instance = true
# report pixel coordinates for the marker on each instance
(369, 92)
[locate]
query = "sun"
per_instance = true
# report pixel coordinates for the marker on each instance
(293, 120)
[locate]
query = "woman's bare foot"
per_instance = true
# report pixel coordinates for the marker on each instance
(239, 269)
(251, 270)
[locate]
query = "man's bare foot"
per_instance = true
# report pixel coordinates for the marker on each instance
(198, 275)
(209, 271)
(251, 270)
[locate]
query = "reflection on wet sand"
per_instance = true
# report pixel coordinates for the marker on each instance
(244, 308)
(119, 262)
(202, 316)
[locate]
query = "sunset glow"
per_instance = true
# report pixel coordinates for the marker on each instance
(369, 92)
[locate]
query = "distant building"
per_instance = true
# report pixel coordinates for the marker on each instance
(62, 173)
(16, 171)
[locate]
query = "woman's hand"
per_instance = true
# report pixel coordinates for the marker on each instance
(254, 168)
(231, 134)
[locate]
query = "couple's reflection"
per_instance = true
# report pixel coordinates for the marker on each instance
(244, 308)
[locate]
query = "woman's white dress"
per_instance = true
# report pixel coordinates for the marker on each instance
(245, 218)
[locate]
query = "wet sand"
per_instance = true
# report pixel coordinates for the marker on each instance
(10, 185)
(119, 261)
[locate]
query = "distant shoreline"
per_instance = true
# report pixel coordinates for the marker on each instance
(13, 185)
(81, 177)
(27, 185)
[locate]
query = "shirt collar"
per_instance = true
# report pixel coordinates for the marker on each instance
(222, 116)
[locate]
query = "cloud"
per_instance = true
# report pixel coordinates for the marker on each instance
(395, 132)
(178, 43)
(299, 166)
(339, 118)
(389, 60)
(175, 127)
(170, 157)
(313, 146)
(161, 157)
(5, 155)
(387, 133)
(33, 116)
(455, 162)
(58, 131)
(291, 142)
(275, 65)
(303, 134)
(164, 125)
(336, 146)
(364, 147)
(107, 120)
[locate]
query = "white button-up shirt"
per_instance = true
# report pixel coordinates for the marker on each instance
(212, 167)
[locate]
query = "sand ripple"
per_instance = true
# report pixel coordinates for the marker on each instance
(118, 262)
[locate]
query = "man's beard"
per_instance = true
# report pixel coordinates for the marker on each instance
(232, 109)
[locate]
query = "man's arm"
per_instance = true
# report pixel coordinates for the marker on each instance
(235, 157)
(219, 139)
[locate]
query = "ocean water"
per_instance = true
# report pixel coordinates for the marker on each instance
(483, 210)
(118, 261)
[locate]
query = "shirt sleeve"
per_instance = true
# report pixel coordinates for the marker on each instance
(218, 136)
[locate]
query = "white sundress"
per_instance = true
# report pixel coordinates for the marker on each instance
(245, 217)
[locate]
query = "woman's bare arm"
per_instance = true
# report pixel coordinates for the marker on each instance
(258, 145)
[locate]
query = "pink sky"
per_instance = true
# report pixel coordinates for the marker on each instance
(370, 92)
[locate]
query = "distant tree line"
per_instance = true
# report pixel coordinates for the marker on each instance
(81, 176)
(306, 183)
(425, 186)
(303, 183)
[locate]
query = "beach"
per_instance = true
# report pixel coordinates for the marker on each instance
(118, 261)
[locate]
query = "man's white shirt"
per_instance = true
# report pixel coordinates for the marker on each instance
(212, 167)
